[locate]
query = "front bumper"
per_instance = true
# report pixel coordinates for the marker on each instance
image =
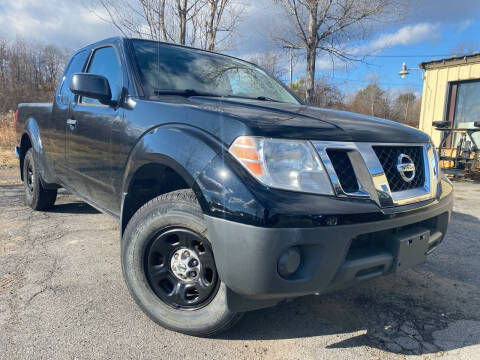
(331, 256)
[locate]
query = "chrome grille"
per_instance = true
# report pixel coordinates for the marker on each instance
(372, 166)
(388, 156)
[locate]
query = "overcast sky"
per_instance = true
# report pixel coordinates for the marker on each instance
(432, 29)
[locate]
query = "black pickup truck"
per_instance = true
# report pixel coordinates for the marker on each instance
(231, 194)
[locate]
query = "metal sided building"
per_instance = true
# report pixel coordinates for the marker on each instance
(451, 92)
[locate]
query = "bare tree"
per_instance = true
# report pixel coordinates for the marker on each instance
(185, 11)
(28, 72)
(140, 18)
(406, 109)
(223, 16)
(371, 100)
(328, 95)
(465, 48)
(53, 60)
(163, 20)
(329, 26)
(193, 22)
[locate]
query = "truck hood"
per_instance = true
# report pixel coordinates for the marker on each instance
(273, 119)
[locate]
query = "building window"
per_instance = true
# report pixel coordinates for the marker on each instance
(463, 107)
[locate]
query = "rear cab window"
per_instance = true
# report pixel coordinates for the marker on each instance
(77, 64)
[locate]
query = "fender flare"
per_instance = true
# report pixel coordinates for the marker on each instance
(32, 130)
(185, 149)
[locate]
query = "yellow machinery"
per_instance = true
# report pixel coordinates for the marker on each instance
(461, 161)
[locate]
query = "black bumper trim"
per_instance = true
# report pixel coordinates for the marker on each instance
(246, 256)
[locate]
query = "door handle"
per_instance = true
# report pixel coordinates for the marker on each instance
(71, 124)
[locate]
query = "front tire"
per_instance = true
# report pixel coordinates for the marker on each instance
(169, 268)
(36, 196)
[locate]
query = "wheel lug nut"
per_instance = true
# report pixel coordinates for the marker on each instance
(193, 263)
(193, 274)
(186, 253)
(176, 256)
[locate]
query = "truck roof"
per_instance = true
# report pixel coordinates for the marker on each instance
(121, 38)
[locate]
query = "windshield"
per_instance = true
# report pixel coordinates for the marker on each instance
(165, 68)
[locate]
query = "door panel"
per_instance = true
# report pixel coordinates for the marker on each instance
(89, 135)
(88, 152)
(55, 144)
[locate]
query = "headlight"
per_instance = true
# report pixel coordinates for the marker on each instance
(283, 164)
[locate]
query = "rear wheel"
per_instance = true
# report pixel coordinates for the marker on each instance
(36, 196)
(169, 267)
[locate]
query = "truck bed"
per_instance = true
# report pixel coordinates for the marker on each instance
(41, 112)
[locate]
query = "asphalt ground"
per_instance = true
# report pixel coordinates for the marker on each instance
(62, 296)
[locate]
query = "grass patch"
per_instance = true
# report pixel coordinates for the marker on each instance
(7, 131)
(7, 140)
(7, 157)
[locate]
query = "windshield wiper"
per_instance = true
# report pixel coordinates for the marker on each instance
(266, 98)
(262, 98)
(193, 92)
(186, 92)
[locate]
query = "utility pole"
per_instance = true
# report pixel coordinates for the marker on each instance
(291, 47)
(406, 110)
(291, 67)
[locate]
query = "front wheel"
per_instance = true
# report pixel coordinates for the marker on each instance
(169, 267)
(36, 196)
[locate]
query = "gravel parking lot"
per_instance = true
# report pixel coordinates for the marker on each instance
(62, 296)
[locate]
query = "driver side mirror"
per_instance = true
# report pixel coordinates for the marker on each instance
(91, 86)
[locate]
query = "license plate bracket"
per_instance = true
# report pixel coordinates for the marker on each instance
(410, 249)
